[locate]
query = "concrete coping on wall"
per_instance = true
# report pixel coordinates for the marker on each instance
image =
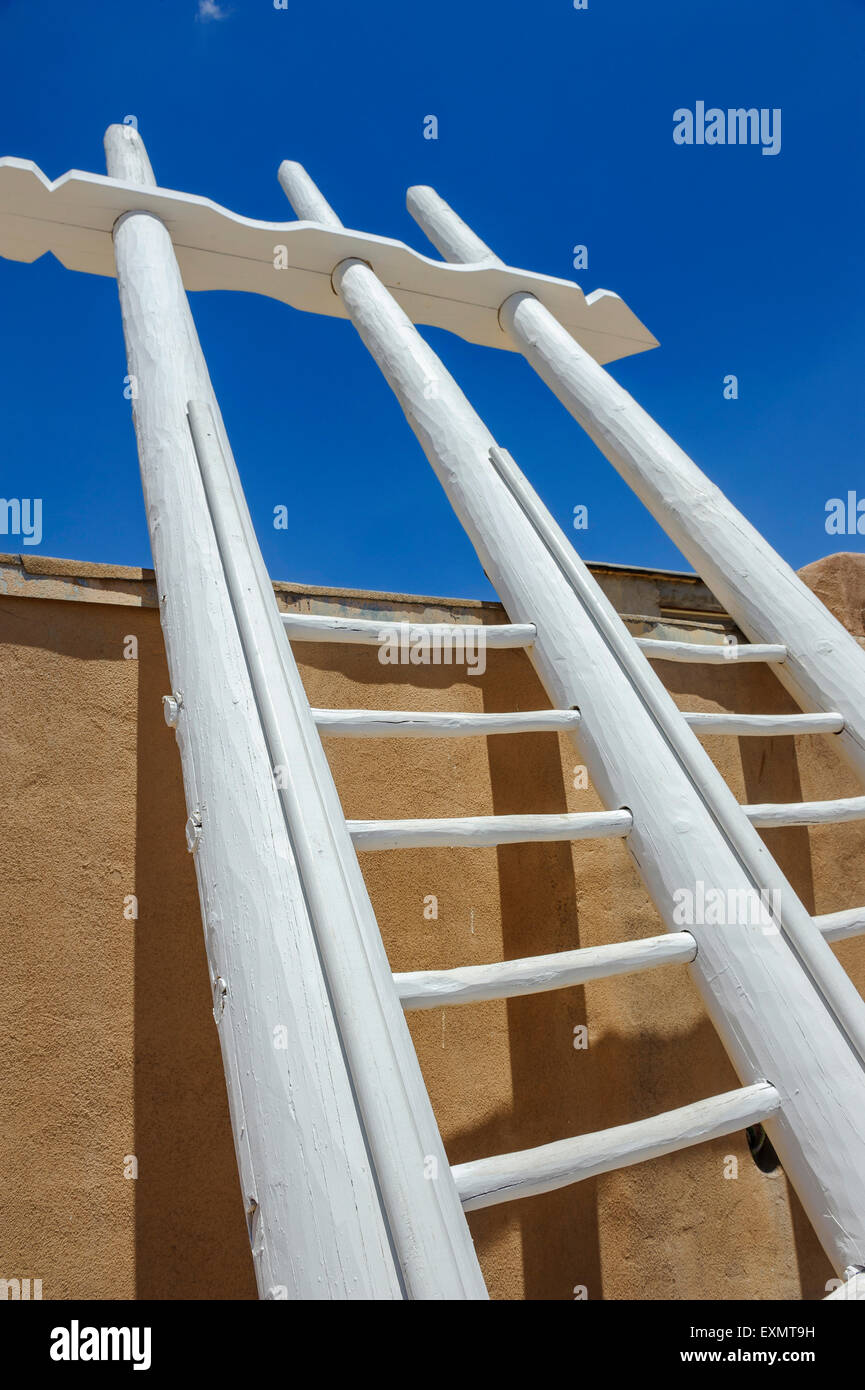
(653, 602)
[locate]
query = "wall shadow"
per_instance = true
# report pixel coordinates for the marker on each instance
(191, 1239)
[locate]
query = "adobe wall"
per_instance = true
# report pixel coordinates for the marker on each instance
(106, 1030)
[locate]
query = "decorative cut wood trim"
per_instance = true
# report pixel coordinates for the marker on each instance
(216, 249)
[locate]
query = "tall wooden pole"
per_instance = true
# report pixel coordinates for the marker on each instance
(775, 1022)
(347, 1188)
(825, 666)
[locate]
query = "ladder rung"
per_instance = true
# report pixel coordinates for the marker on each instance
(770, 815)
(386, 723)
(743, 725)
(530, 1171)
(469, 984)
(467, 831)
(313, 627)
(729, 654)
(836, 926)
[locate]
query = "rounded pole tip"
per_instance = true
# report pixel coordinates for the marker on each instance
(126, 155)
(308, 202)
(292, 167)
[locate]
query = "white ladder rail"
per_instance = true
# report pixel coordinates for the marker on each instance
(824, 666)
(233, 806)
(578, 667)
(398, 1237)
(340, 1202)
(702, 774)
(434, 1249)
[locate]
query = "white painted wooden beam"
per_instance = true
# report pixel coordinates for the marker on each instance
(469, 984)
(287, 1105)
(389, 723)
(774, 814)
(824, 668)
(463, 832)
(434, 1249)
(370, 723)
(507, 1177)
(764, 725)
(219, 250)
(332, 1133)
(837, 926)
(313, 627)
(710, 654)
(704, 777)
(782, 1004)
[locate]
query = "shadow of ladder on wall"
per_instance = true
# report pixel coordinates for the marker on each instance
(333, 1129)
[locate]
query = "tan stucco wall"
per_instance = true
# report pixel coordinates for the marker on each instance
(106, 1028)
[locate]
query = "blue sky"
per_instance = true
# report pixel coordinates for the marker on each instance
(555, 128)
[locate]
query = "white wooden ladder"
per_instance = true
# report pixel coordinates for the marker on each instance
(347, 1188)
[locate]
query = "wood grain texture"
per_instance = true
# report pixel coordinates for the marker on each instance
(720, 653)
(332, 1122)
(469, 984)
(217, 249)
(772, 815)
(507, 1177)
(310, 627)
(473, 831)
(305, 1180)
(372, 723)
(762, 1000)
(824, 667)
(764, 725)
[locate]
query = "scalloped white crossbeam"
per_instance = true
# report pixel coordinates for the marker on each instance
(73, 218)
